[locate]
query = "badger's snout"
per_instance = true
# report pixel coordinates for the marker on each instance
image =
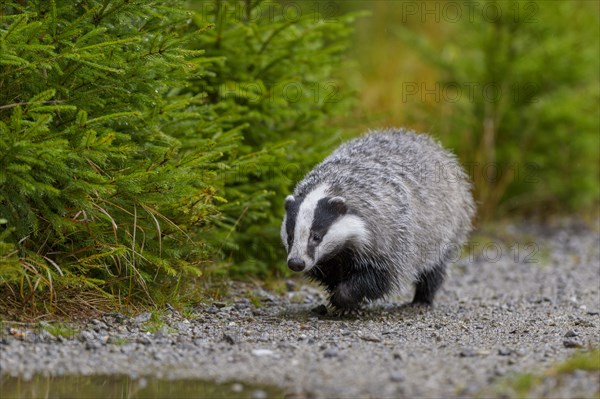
(296, 264)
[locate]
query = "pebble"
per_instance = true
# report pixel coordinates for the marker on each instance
(259, 394)
(142, 318)
(504, 352)
(572, 343)
(397, 376)
(468, 352)
(144, 340)
(229, 339)
(237, 387)
(262, 352)
(93, 345)
(571, 334)
(369, 337)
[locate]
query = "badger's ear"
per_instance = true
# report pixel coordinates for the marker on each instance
(289, 200)
(338, 204)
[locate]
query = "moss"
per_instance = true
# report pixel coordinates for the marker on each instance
(525, 384)
(586, 361)
(59, 330)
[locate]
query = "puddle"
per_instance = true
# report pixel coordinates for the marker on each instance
(123, 387)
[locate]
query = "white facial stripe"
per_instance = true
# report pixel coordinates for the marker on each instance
(348, 228)
(284, 235)
(304, 221)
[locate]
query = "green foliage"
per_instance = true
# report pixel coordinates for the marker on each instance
(108, 168)
(528, 384)
(276, 79)
(142, 139)
(586, 361)
(59, 329)
(517, 98)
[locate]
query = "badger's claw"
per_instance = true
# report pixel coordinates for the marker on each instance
(348, 312)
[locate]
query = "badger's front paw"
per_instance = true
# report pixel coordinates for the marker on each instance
(344, 300)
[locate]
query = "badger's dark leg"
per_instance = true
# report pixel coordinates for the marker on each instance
(359, 286)
(428, 284)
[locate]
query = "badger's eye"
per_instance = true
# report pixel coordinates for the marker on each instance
(316, 237)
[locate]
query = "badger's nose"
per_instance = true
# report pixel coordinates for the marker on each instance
(296, 264)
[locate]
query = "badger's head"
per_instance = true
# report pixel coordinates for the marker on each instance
(317, 227)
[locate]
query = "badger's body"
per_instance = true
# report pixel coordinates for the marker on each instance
(382, 211)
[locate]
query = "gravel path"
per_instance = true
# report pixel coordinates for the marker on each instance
(504, 310)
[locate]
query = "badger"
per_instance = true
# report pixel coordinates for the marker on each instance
(383, 211)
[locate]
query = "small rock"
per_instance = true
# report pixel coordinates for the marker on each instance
(118, 317)
(237, 387)
(229, 339)
(521, 352)
(397, 376)
(142, 318)
(259, 394)
(99, 325)
(290, 285)
(212, 310)
(45, 336)
(504, 352)
(144, 340)
(571, 334)
(468, 352)
(220, 304)
(93, 345)
(572, 343)
(262, 352)
(162, 333)
(329, 353)
(86, 336)
(265, 296)
(264, 337)
(369, 337)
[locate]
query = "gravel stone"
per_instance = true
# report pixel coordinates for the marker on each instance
(397, 376)
(492, 319)
(572, 343)
(571, 334)
(504, 352)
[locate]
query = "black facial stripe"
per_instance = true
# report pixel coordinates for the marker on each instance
(324, 217)
(290, 223)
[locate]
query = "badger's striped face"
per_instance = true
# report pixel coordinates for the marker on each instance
(317, 227)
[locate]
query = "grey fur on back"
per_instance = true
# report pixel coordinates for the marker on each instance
(414, 195)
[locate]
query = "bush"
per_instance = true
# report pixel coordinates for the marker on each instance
(277, 79)
(530, 129)
(109, 169)
(128, 162)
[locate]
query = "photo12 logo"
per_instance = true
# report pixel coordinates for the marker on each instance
(456, 11)
(453, 92)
